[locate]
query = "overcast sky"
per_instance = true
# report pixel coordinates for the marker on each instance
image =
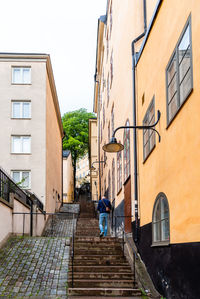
(65, 29)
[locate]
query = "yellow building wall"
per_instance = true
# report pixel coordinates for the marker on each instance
(128, 23)
(68, 180)
(173, 166)
(93, 157)
(53, 154)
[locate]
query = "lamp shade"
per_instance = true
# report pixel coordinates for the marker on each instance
(113, 146)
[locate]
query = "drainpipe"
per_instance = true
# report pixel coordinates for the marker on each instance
(135, 123)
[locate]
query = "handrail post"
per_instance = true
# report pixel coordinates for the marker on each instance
(23, 223)
(115, 226)
(73, 252)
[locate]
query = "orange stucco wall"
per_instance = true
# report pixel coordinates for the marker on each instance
(53, 154)
(173, 166)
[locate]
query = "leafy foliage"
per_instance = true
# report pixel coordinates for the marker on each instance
(75, 125)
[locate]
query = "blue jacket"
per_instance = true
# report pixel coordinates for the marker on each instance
(101, 207)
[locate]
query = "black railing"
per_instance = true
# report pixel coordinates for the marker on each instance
(8, 186)
(122, 234)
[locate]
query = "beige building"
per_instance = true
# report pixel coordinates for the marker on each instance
(31, 127)
(82, 171)
(93, 158)
(68, 177)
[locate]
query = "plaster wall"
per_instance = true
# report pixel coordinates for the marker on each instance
(5, 221)
(173, 166)
(68, 179)
(53, 153)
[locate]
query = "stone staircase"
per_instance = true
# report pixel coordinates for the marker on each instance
(99, 267)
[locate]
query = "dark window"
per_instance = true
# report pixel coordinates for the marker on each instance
(112, 120)
(111, 69)
(113, 179)
(103, 115)
(160, 220)
(108, 88)
(126, 151)
(149, 135)
(109, 185)
(109, 132)
(119, 171)
(179, 73)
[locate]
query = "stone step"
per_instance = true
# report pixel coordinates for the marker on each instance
(112, 292)
(100, 269)
(99, 263)
(95, 251)
(98, 247)
(94, 239)
(103, 275)
(86, 283)
(114, 257)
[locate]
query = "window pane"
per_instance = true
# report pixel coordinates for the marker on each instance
(26, 110)
(16, 110)
(26, 75)
(185, 42)
(16, 75)
(16, 176)
(165, 230)
(173, 106)
(26, 144)
(16, 144)
(164, 208)
(157, 212)
(171, 70)
(156, 231)
(25, 179)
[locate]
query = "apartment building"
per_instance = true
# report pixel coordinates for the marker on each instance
(82, 171)
(68, 177)
(31, 127)
(148, 61)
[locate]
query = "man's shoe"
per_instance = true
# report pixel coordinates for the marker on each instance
(101, 234)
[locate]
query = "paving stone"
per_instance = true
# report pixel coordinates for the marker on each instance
(36, 266)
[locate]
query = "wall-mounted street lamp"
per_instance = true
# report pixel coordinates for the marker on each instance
(113, 146)
(94, 168)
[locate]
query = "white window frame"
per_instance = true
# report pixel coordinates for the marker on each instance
(21, 144)
(21, 75)
(21, 102)
(20, 175)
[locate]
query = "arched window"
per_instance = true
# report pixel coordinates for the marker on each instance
(119, 171)
(160, 220)
(113, 179)
(126, 151)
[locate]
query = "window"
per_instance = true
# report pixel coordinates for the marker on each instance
(113, 179)
(23, 177)
(21, 144)
(111, 69)
(109, 132)
(21, 75)
(104, 115)
(126, 151)
(119, 171)
(179, 73)
(149, 140)
(112, 119)
(21, 109)
(160, 220)
(109, 185)
(101, 132)
(108, 88)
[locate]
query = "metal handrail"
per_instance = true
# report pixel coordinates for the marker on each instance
(73, 253)
(135, 256)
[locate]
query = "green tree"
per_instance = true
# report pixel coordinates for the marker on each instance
(75, 125)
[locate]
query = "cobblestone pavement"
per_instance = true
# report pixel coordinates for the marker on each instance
(37, 267)
(34, 267)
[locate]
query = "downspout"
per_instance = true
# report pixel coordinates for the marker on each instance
(135, 123)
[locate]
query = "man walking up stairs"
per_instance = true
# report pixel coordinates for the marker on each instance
(98, 267)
